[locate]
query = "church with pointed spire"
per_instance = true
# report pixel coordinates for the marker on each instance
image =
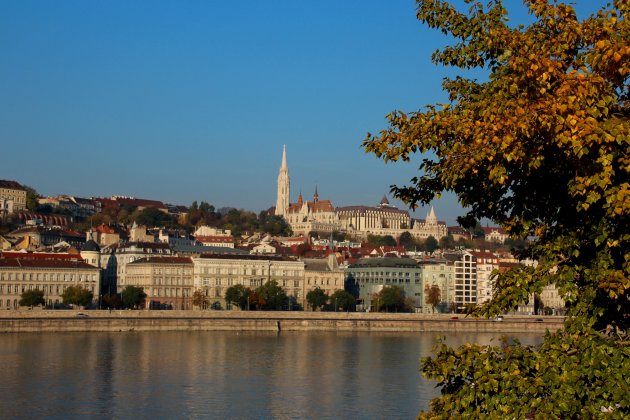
(321, 216)
(284, 186)
(303, 216)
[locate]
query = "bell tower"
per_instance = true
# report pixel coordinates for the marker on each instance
(284, 186)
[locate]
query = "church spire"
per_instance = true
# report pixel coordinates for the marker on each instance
(284, 186)
(315, 196)
(284, 157)
(431, 217)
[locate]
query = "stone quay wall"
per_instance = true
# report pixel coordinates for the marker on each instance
(143, 320)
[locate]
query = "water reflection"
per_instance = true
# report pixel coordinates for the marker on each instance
(218, 374)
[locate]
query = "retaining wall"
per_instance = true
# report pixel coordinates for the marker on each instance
(98, 321)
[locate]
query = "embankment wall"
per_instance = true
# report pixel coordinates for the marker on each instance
(103, 321)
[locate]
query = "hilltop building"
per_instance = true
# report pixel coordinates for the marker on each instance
(12, 197)
(284, 186)
(321, 215)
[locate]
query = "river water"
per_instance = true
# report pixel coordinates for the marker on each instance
(219, 375)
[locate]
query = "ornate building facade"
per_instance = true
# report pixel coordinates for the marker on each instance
(360, 221)
(284, 186)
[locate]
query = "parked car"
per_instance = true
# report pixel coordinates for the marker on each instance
(81, 315)
(499, 318)
(539, 320)
(454, 318)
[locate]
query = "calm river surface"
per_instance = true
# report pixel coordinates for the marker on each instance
(219, 375)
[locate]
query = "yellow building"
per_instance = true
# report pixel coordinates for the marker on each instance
(13, 191)
(52, 273)
(167, 281)
(214, 274)
(323, 273)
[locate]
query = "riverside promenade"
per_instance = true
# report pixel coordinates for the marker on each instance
(38, 320)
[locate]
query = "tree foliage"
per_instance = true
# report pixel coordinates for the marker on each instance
(273, 225)
(433, 295)
(431, 244)
(406, 240)
(77, 295)
(199, 299)
(541, 148)
(32, 298)
(342, 300)
(237, 295)
(152, 217)
(378, 241)
(270, 296)
(32, 197)
(316, 298)
(389, 299)
(133, 297)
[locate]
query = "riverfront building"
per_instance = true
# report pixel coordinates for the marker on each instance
(485, 263)
(167, 281)
(439, 272)
(323, 273)
(370, 275)
(114, 260)
(214, 274)
(50, 272)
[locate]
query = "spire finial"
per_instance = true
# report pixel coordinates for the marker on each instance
(284, 155)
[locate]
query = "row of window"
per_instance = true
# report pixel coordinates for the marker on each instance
(46, 277)
(21, 288)
(168, 270)
(322, 282)
(170, 292)
(386, 281)
(246, 271)
(386, 273)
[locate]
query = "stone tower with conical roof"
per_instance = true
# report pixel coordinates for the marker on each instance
(284, 186)
(431, 218)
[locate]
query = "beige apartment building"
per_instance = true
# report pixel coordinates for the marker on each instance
(214, 274)
(14, 192)
(167, 281)
(50, 273)
(323, 273)
(439, 272)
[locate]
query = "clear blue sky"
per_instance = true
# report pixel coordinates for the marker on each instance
(193, 100)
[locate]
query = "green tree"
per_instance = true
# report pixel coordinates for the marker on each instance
(271, 296)
(32, 298)
(430, 244)
(390, 299)
(539, 147)
(342, 300)
(237, 295)
(406, 240)
(433, 295)
(151, 217)
(31, 198)
(199, 299)
(274, 225)
(111, 301)
(378, 241)
(133, 297)
(316, 298)
(447, 242)
(77, 295)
